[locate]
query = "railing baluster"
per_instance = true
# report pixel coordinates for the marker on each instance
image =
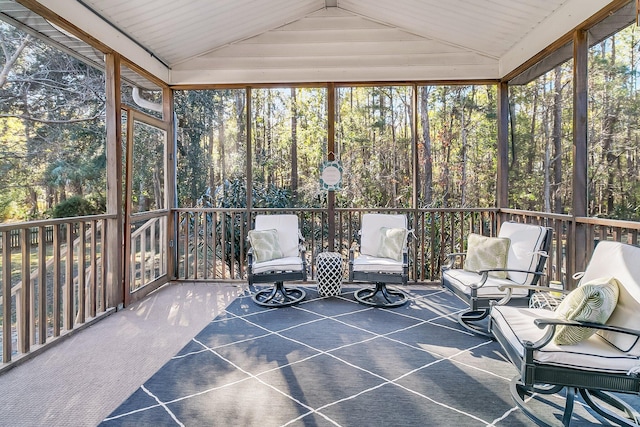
(433, 245)
(80, 318)
(232, 252)
(243, 232)
(196, 243)
(6, 297)
(205, 247)
(187, 243)
(93, 262)
(68, 281)
(224, 245)
(42, 286)
(103, 265)
(214, 232)
(57, 283)
(25, 303)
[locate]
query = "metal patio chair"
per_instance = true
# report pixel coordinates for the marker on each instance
(594, 365)
(527, 253)
(382, 258)
(277, 255)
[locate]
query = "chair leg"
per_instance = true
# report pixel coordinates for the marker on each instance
(631, 418)
(568, 407)
(278, 296)
(520, 394)
(381, 296)
(468, 318)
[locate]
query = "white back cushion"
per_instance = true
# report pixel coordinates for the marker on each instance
(621, 261)
(526, 242)
(287, 227)
(371, 224)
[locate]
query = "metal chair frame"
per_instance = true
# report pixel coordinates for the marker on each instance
(478, 305)
(278, 295)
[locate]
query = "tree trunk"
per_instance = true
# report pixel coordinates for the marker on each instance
(612, 107)
(463, 153)
(557, 142)
(294, 144)
(157, 188)
(240, 118)
(221, 149)
(427, 157)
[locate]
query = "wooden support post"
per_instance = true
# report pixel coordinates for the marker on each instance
(171, 201)
(502, 188)
(416, 178)
(127, 262)
(580, 105)
(249, 165)
(331, 195)
(114, 182)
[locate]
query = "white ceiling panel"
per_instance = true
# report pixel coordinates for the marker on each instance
(254, 41)
(337, 45)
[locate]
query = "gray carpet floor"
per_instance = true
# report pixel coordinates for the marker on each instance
(330, 361)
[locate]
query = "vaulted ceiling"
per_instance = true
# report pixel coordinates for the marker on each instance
(286, 41)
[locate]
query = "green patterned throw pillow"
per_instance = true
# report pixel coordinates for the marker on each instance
(265, 244)
(392, 242)
(487, 252)
(592, 302)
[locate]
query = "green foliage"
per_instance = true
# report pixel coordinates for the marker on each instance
(52, 127)
(229, 226)
(78, 206)
(53, 134)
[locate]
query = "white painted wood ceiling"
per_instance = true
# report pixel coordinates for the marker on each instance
(286, 41)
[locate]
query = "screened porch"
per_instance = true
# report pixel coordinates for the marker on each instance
(210, 122)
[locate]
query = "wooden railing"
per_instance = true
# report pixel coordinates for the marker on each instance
(148, 262)
(211, 243)
(51, 288)
(436, 232)
(563, 261)
(44, 296)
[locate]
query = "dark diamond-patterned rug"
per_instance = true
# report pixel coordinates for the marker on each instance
(330, 361)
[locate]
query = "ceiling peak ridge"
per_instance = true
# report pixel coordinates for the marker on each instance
(424, 36)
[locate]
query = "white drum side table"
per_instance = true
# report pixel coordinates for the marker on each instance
(329, 270)
(545, 300)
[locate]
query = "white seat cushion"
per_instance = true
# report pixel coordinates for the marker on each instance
(371, 264)
(593, 354)
(370, 232)
(526, 242)
(281, 264)
(461, 278)
(287, 227)
(612, 259)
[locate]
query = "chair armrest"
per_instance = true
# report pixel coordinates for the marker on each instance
(538, 288)
(509, 287)
(250, 262)
(451, 259)
(551, 324)
(542, 323)
(490, 270)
